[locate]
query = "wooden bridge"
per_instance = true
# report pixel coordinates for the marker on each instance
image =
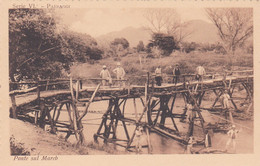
(46, 99)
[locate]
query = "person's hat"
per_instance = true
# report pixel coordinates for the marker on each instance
(104, 66)
(118, 63)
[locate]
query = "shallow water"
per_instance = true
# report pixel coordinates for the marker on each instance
(160, 145)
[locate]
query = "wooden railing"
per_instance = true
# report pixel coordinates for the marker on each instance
(47, 83)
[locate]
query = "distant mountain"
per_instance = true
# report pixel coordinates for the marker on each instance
(133, 35)
(201, 32)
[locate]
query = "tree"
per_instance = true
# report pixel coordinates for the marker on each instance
(189, 47)
(164, 42)
(166, 21)
(140, 46)
(82, 46)
(35, 46)
(40, 47)
(118, 46)
(94, 53)
(235, 25)
(120, 41)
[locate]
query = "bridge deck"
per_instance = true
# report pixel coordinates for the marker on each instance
(32, 96)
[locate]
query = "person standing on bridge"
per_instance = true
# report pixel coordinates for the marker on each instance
(158, 76)
(106, 77)
(200, 72)
(120, 74)
(176, 74)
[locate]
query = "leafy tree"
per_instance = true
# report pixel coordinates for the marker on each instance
(39, 47)
(164, 42)
(140, 46)
(189, 47)
(119, 46)
(35, 47)
(149, 47)
(95, 53)
(120, 41)
(82, 46)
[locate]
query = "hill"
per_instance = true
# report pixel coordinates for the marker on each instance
(133, 35)
(202, 32)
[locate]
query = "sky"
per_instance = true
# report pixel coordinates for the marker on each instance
(96, 22)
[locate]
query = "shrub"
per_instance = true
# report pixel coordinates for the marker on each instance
(163, 42)
(17, 148)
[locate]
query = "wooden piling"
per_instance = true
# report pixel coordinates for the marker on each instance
(77, 124)
(136, 118)
(47, 85)
(14, 114)
(77, 90)
(38, 92)
(36, 117)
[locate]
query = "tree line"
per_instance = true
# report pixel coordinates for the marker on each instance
(41, 47)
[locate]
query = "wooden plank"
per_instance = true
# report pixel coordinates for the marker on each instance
(134, 89)
(15, 92)
(167, 134)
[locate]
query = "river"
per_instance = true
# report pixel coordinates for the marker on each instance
(160, 145)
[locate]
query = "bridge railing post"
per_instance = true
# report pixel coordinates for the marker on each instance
(38, 92)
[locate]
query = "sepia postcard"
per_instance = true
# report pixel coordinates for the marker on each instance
(129, 82)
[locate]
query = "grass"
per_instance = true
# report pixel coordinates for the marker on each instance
(212, 62)
(17, 148)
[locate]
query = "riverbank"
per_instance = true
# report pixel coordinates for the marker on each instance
(28, 139)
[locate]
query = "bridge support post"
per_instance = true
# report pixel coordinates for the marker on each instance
(166, 111)
(14, 114)
(110, 120)
(194, 99)
(78, 127)
(77, 124)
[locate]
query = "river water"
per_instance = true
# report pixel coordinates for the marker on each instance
(160, 145)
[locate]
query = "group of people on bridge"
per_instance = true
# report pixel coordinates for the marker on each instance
(120, 75)
(107, 79)
(200, 72)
